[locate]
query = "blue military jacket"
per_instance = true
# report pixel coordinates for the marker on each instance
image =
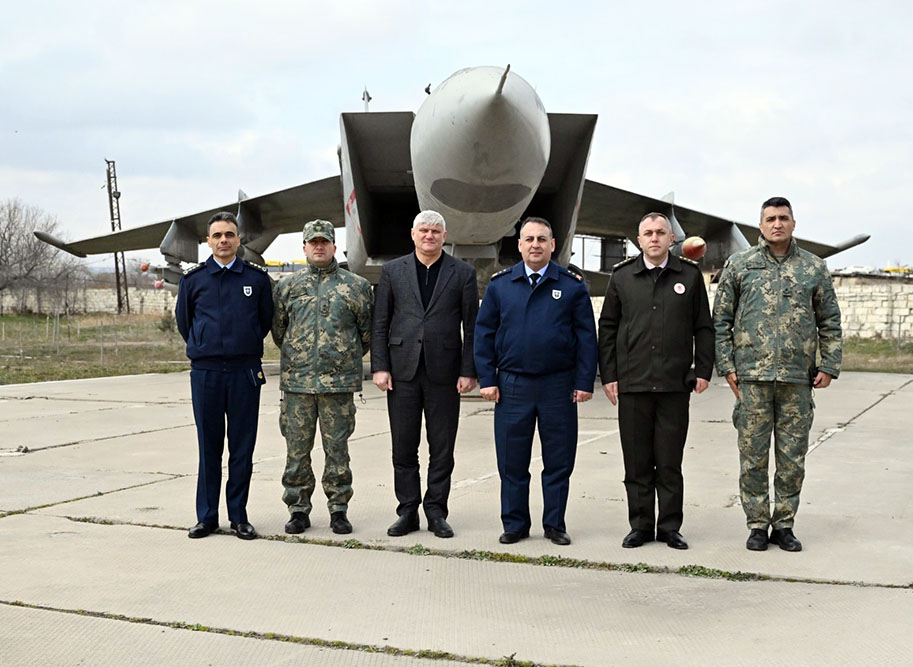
(223, 314)
(538, 331)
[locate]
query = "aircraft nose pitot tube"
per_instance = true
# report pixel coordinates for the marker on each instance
(480, 144)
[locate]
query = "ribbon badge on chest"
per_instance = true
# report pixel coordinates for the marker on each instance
(248, 290)
(556, 294)
(678, 288)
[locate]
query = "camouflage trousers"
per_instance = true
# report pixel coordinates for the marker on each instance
(298, 418)
(786, 410)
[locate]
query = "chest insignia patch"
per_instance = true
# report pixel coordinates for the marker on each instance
(556, 294)
(678, 288)
(248, 290)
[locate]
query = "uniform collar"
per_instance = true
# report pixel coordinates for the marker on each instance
(520, 270)
(648, 265)
(214, 267)
(673, 263)
(764, 247)
(330, 268)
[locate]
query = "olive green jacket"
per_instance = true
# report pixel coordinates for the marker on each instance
(771, 316)
(322, 327)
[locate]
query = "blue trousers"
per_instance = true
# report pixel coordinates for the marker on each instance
(220, 396)
(526, 401)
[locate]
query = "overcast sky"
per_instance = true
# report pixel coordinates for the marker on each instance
(724, 103)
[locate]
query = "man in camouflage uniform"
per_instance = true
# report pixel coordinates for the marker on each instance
(775, 306)
(322, 327)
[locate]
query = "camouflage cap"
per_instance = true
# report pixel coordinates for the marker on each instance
(319, 229)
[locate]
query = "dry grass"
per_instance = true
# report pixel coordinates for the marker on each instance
(878, 355)
(35, 348)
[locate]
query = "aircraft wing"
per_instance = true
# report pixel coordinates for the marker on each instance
(610, 211)
(282, 211)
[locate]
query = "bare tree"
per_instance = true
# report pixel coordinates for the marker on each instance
(24, 260)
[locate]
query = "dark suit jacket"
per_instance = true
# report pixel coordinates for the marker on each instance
(403, 330)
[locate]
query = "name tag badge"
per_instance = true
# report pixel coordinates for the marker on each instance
(556, 294)
(248, 290)
(678, 288)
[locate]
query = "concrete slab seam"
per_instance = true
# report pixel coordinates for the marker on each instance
(167, 477)
(690, 570)
(107, 437)
(90, 400)
(829, 433)
(426, 654)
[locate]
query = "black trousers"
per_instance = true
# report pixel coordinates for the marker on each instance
(440, 404)
(653, 429)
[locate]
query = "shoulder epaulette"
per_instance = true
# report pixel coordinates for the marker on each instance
(625, 262)
(194, 268)
(255, 266)
(688, 260)
(572, 274)
(500, 273)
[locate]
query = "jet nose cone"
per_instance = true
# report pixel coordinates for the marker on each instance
(479, 151)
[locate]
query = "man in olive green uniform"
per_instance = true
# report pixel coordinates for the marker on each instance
(322, 327)
(775, 307)
(655, 348)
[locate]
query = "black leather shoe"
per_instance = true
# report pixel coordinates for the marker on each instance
(404, 525)
(201, 530)
(340, 524)
(557, 536)
(757, 540)
(440, 527)
(785, 538)
(244, 530)
(637, 538)
(512, 537)
(673, 539)
(299, 523)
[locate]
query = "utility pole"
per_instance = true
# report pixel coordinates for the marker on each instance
(120, 265)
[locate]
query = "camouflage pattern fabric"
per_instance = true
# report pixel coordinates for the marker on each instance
(761, 406)
(322, 327)
(770, 316)
(298, 418)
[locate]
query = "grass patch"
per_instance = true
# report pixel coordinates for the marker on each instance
(427, 654)
(37, 348)
(881, 355)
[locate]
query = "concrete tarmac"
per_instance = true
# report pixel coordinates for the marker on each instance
(97, 568)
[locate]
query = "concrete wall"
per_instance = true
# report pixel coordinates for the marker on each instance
(872, 306)
(86, 300)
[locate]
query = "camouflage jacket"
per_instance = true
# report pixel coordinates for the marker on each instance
(322, 326)
(770, 316)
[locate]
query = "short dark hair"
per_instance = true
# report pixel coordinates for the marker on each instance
(777, 202)
(222, 216)
(654, 214)
(538, 221)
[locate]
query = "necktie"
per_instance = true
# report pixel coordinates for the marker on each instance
(655, 271)
(533, 279)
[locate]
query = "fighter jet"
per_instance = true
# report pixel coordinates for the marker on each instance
(483, 152)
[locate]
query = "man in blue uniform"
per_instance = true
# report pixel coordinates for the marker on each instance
(224, 309)
(535, 354)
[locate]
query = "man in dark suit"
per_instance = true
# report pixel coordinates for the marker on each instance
(424, 301)
(655, 348)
